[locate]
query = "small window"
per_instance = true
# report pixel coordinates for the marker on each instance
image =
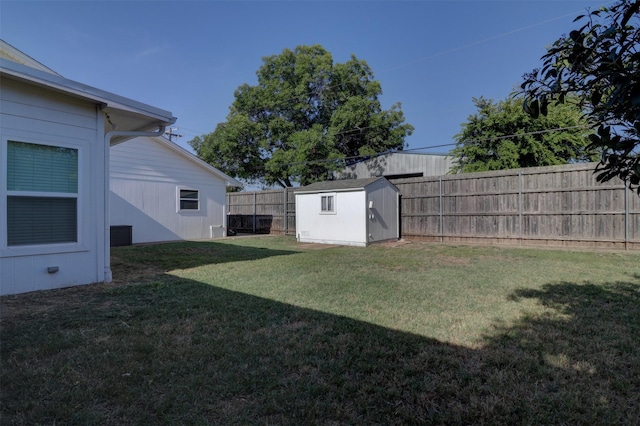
(189, 199)
(42, 194)
(327, 204)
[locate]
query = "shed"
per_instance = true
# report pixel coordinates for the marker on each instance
(355, 212)
(162, 192)
(55, 138)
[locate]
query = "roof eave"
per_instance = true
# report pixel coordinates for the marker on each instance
(317, 191)
(361, 186)
(101, 97)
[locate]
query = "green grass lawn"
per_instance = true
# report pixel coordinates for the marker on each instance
(266, 330)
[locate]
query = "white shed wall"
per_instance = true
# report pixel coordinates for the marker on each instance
(36, 115)
(347, 226)
(145, 181)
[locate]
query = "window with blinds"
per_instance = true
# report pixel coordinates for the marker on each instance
(188, 200)
(42, 194)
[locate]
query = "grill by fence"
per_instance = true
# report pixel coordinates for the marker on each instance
(556, 206)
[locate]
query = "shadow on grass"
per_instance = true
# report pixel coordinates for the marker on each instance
(195, 354)
(580, 360)
(133, 262)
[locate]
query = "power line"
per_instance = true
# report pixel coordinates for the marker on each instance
(475, 43)
(170, 133)
(302, 97)
(377, 154)
(495, 138)
(357, 79)
(536, 132)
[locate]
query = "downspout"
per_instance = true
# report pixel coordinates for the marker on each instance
(399, 213)
(107, 190)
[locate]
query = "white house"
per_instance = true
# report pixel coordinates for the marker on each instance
(354, 212)
(55, 138)
(161, 192)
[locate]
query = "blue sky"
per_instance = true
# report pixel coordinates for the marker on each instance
(188, 57)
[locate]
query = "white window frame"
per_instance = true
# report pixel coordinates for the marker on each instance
(328, 196)
(44, 248)
(179, 199)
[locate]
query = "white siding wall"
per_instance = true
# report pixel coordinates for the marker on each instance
(145, 179)
(30, 114)
(348, 226)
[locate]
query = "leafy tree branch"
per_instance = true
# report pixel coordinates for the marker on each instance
(598, 64)
(502, 136)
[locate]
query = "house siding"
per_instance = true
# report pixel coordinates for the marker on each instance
(145, 180)
(37, 115)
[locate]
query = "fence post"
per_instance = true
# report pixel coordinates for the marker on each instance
(520, 207)
(284, 210)
(441, 213)
(227, 213)
(626, 214)
(255, 210)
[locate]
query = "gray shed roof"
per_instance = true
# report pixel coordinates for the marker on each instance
(339, 185)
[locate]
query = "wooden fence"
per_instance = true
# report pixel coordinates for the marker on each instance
(262, 212)
(551, 206)
(561, 205)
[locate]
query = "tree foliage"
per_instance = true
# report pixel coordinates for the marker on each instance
(502, 136)
(304, 111)
(600, 64)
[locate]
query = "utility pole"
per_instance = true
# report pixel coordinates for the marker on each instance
(170, 133)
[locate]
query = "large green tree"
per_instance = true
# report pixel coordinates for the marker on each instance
(306, 117)
(502, 136)
(599, 63)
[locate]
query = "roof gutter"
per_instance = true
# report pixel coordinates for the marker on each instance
(53, 81)
(107, 191)
(70, 87)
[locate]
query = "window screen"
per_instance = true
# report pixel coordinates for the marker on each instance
(189, 199)
(41, 168)
(327, 204)
(42, 194)
(41, 220)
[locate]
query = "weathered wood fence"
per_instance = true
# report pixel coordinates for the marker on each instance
(262, 212)
(551, 206)
(561, 205)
